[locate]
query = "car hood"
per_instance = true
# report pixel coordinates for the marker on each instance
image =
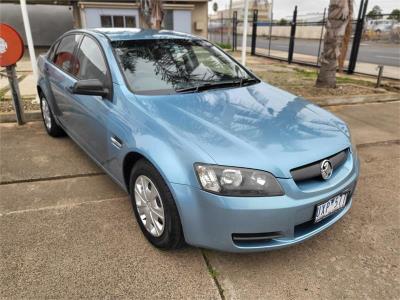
(258, 126)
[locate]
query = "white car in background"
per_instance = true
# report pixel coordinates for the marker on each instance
(381, 25)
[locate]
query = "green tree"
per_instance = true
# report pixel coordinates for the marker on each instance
(283, 22)
(375, 13)
(395, 15)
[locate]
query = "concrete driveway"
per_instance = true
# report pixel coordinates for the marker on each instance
(67, 231)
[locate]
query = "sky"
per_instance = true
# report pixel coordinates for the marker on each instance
(284, 8)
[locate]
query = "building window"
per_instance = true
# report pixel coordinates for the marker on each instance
(130, 21)
(118, 21)
(106, 21)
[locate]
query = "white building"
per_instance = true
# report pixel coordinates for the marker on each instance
(263, 7)
(51, 18)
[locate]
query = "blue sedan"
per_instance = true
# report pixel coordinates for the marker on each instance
(209, 154)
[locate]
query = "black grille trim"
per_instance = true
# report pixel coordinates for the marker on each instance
(313, 170)
(249, 238)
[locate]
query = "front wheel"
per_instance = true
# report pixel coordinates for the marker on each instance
(154, 207)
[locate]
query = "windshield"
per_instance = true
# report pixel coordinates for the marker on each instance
(169, 66)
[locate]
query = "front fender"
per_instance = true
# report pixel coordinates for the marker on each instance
(170, 157)
(169, 152)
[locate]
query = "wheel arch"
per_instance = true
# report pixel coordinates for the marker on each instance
(130, 159)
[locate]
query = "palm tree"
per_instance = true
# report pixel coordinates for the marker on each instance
(152, 12)
(338, 17)
(346, 38)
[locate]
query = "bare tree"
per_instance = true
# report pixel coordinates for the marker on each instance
(338, 17)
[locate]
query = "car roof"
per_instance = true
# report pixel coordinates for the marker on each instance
(125, 34)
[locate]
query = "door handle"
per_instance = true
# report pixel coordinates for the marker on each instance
(116, 142)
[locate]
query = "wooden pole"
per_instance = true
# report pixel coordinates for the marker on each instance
(18, 107)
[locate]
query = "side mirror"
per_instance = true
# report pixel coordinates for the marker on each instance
(92, 87)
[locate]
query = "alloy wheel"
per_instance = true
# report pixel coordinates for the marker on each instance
(149, 205)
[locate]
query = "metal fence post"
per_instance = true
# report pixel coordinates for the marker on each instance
(254, 33)
(234, 31)
(292, 35)
(16, 96)
(357, 36)
(380, 73)
(222, 27)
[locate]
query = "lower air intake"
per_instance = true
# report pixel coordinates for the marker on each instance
(254, 238)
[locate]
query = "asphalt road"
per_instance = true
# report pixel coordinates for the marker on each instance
(379, 53)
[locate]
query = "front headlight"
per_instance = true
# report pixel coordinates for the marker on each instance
(230, 181)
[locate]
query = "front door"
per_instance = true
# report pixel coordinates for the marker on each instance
(89, 116)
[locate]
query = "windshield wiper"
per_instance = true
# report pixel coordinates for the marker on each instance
(247, 81)
(209, 85)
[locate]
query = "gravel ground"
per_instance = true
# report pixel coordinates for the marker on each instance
(341, 90)
(7, 106)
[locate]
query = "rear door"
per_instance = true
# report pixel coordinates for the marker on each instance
(58, 72)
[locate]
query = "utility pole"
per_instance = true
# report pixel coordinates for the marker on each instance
(244, 35)
(29, 39)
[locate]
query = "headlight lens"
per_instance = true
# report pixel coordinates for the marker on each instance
(231, 181)
(353, 143)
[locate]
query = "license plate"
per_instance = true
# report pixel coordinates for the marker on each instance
(329, 207)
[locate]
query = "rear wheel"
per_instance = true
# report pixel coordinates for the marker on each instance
(154, 207)
(50, 124)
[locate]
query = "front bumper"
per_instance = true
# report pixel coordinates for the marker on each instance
(211, 221)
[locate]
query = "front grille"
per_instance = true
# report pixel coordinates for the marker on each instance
(313, 170)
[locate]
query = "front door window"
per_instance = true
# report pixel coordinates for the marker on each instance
(90, 63)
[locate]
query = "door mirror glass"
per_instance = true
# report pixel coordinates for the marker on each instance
(92, 87)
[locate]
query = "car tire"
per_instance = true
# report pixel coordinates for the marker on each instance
(52, 128)
(144, 177)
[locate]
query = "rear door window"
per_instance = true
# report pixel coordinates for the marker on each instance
(64, 55)
(52, 51)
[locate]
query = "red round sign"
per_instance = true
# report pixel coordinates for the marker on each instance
(11, 45)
